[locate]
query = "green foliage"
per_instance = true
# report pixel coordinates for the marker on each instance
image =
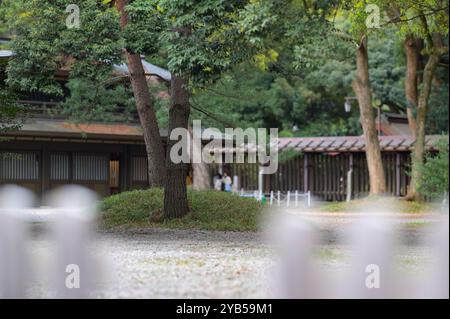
(210, 210)
(161, 103)
(11, 114)
(434, 181)
(203, 38)
(43, 45)
(420, 18)
(387, 71)
(438, 112)
(8, 9)
(265, 63)
(146, 23)
(311, 99)
(93, 101)
(257, 18)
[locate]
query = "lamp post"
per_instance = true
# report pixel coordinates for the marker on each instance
(348, 103)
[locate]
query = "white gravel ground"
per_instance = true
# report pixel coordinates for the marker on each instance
(161, 263)
(187, 264)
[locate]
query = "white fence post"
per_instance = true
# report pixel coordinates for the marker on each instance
(235, 184)
(288, 200)
(309, 199)
(75, 270)
(349, 185)
(271, 198)
(13, 241)
(296, 198)
(260, 183)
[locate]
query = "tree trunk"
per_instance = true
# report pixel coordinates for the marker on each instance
(147, 116)
(411, 81)
(175, 193)
(201, 172)
(361, 86)
(422, 109)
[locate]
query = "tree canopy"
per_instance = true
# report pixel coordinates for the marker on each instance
(295, 57)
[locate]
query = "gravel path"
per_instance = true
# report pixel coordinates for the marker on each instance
(162, 263)
(188, 264)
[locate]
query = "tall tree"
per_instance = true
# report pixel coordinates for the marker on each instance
(314, 31)
(412, 47)
(427, 22)
(175, 194)
(147, 116)
(412, 53)
(436, 50)
(361, 22)
(362, 88)
(202, 41)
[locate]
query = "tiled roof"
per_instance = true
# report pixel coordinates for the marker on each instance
(6, 53)
(54, 129)
(331, 144)
(350, 143)
(35, 128)
(123, 68)
(149, 68)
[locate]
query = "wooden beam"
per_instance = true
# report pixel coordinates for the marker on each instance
(305, 173)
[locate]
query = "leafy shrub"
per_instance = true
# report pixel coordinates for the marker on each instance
(434, 173)
(211, 210)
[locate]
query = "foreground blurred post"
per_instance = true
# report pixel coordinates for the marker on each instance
(74, 270)
(371, 274)
(13, 241)
(295, 241)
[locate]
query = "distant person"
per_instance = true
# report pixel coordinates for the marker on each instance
(227, 182)
(218, 182)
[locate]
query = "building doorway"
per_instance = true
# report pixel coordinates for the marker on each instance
(114, 174)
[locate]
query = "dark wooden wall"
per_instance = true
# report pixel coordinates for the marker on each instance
(325, 174)
(58, 163)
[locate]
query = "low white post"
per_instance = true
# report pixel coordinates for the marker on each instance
(279, 198)
(271, 198)
(288, 198)
(296, 198)
(242, 191)
(349, 185)
(235, 183)
(309, 199)
(260, 183)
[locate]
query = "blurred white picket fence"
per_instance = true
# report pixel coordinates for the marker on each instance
(372, 266)
(372, 272)
(289, 199)
(70, 218)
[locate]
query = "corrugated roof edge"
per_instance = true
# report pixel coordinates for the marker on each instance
(352, 143)
(150, 68)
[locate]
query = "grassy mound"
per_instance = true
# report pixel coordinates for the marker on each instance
(210, 210)
(373, 204)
